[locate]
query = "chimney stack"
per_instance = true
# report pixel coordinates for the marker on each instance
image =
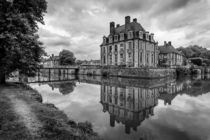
(112, 27)
(165, 43)
(118, 25)
(127, 19)
(169, 43)
(135, 20)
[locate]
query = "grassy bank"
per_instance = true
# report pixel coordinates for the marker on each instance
(24, 116)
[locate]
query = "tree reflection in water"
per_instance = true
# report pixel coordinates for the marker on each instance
(64, 87)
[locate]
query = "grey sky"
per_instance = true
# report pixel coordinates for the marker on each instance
(78, 25)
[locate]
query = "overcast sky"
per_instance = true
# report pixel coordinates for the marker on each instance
(79, 25)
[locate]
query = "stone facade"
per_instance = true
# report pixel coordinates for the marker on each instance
(129, 45)
(169, 56)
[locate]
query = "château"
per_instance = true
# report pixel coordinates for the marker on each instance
(129, 45)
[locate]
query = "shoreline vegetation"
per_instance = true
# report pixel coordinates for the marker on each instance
(23, 116)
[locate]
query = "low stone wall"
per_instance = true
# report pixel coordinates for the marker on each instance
(126, 82)
(127, 72)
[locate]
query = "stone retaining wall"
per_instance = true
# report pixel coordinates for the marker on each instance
(127, 72)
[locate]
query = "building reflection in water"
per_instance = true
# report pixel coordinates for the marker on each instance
(131, 105)
(128, 105)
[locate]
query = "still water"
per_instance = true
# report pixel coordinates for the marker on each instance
(133, 109)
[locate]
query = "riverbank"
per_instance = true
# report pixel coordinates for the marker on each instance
(23, 116)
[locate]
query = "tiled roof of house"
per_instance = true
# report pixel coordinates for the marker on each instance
(168, 48)
(133, 26)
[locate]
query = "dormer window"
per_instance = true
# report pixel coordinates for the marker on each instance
(104, 40)
(110, 39)
(115, 38)
(140, 34)
(144, 36)
(130, 35)
(121, 36)
(147, 36)
(150, 38)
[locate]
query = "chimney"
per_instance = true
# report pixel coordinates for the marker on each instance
(127, 19)
(112, 27)
(169, 43)
(135, 20)
(165, 43)
(118, 25)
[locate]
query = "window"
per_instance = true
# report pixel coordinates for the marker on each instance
(121, 56)
(140, 34)
(144, 36)
(104, 50)
(147, 36)
(115, 48)
(104, 60)
(115, 59)
(130, 34)
(140, 55)
(121, 36)
(121, 45)
(152, 58)
(110, 49)
(116, 38)
(110, 59)
(110, 39)
(147, 58)
(130, 45)
(104, 40)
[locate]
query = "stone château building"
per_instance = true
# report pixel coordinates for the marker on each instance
(129, 45)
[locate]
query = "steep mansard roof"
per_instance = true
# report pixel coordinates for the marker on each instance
(133, 26)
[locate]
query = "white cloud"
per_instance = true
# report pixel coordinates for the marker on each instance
(81, 24)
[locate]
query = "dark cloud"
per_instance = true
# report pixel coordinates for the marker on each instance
(128, 6)
(164, 7)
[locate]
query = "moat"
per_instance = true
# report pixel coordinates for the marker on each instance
(133, 109)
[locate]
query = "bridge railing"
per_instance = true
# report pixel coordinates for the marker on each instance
(67, 67)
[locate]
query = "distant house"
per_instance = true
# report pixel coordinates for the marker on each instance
(169, 56)
(52, 61)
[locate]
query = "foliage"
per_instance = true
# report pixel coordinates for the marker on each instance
(66, 57)
(19, 45)
(67, 88)
(195, 51)
(197, 62)
(79, 62)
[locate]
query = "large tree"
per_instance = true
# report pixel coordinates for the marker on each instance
(20, 48)
(195, 51)
(66, 57)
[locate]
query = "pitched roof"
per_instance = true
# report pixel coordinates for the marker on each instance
(132, 26)
(168, 49)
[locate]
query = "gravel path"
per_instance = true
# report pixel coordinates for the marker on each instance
(26, 116)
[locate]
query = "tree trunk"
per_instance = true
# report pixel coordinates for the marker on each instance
(2, 79)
